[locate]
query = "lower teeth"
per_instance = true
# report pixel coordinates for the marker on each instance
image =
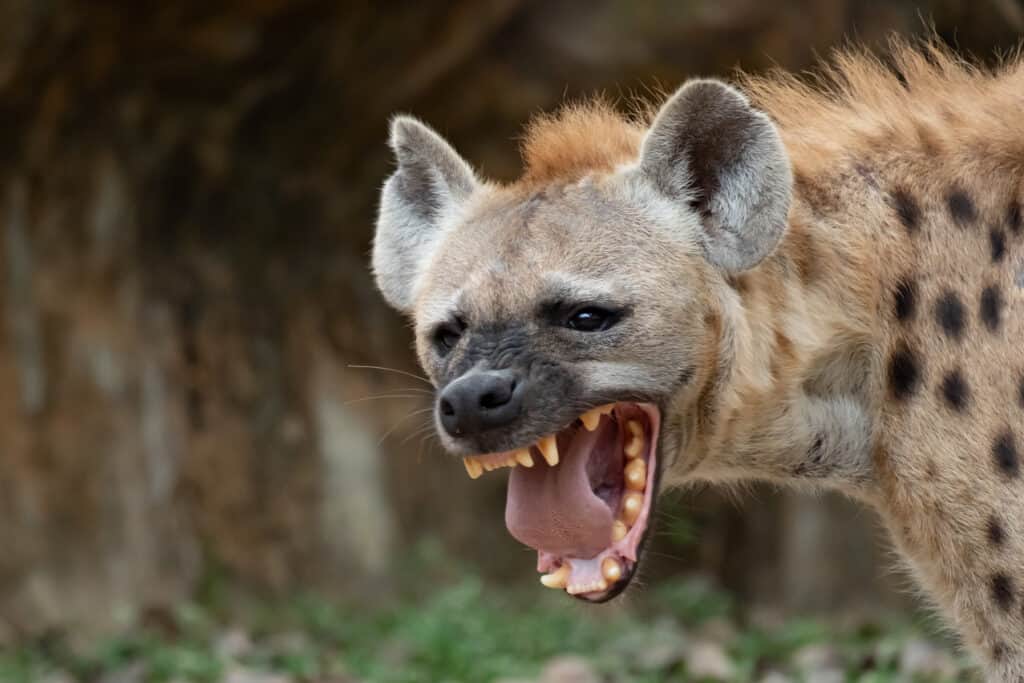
(558, 578)
(611, 570)
(594, 586)
(632, 503)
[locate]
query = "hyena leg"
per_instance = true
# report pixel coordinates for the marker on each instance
(964, 554)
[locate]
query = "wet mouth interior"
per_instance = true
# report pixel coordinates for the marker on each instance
(581, 497)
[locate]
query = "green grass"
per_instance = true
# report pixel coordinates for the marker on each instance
(464, 631)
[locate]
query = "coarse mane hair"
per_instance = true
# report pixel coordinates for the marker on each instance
(916, 94)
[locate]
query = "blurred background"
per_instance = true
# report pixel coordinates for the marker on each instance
(198, 481)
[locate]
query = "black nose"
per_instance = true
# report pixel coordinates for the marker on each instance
(480, 401)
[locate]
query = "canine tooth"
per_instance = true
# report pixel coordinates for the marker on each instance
(591, 419)
(606, 409)
(549, 449)
(558, 578)
(524, 458)
(636, 474)
(632, 503)
(619, 530)
(611, 570)
(473, 468)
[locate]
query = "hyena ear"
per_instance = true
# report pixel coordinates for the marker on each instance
(710, 148)
(432, 181)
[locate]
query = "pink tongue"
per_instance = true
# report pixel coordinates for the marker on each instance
(552, 509)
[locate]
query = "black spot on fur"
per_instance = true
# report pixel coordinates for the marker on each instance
(991, 307)
(1013, 218)
(815, 453)
(955, 390)
(997, 238)
(994, 532)
(950, 314)
(907, 209)
(739, 282)
(1004, 450)
(685, 376)
(905, 300)
(999, 651)
(904, 373)
(1002, 590)
(961, 206)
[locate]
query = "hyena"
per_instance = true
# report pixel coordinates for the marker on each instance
(816, 283)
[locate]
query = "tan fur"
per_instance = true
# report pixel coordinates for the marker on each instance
(581, 138)
(798, 370)
(925, 99)
(855, 139)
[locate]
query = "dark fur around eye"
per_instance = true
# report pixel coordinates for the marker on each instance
(447, 335)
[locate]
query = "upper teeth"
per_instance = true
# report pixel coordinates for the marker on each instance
(636, 439)
(473, 467)
(635, 474)
(524, 458)
(549, 449)
(592, 418)
(476, 465)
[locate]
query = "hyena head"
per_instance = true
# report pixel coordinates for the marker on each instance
(568, 320)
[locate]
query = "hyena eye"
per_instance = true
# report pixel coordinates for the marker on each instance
(592, 319)
(447, 335)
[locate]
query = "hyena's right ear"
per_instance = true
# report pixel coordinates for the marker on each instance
(431, 183)
(709, 149)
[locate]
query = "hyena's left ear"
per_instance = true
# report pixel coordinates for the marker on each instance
(431, 183)
(708, 147)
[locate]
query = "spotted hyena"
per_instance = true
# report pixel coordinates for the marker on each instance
(812, 285)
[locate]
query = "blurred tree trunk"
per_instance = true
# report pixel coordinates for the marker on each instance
(93, 418)
(186, 200)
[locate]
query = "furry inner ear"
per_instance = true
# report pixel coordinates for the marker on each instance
(710, 149)
(431, 183)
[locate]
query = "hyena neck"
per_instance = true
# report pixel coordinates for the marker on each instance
(789, 391)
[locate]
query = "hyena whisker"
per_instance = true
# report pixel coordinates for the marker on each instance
(668, 556)
(379, 397)
(423, 430)
(428, 441)
(398, 423)
(384, 368)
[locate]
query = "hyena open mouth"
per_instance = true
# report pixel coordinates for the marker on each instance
(582, 497)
